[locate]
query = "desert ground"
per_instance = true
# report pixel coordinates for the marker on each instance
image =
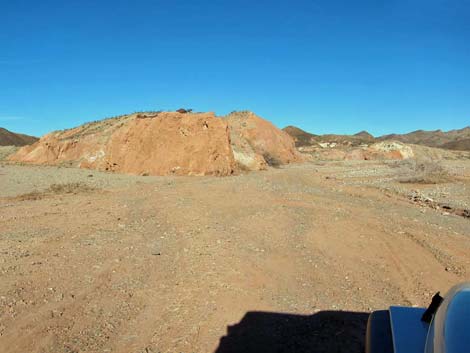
(291, 259)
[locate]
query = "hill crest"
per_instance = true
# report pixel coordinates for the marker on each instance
(9, 138)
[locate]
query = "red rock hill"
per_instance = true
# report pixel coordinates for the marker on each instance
(166, 143)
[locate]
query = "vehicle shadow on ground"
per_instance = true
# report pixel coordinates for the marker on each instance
(325, 331)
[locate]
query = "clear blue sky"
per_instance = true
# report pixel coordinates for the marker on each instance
(326, 66)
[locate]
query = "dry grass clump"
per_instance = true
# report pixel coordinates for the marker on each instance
(6, 151)
(30, 196)
(65, 188)
(70, 188)
(422, 171)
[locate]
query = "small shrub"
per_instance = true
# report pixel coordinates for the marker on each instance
(424, 171)
(271, 160)
(184, 111)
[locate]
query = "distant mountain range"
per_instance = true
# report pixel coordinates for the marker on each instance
(8, 138)
(303, 138)
(454, 139)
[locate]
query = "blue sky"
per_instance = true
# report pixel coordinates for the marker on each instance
(325, 66)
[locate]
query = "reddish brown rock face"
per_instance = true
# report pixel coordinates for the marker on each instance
(173, 143)
(166, 143)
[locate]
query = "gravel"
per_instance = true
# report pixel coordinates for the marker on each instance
(17, 180)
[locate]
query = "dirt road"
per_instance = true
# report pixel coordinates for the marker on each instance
(296, 256)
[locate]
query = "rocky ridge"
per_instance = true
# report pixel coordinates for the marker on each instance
(454, 139)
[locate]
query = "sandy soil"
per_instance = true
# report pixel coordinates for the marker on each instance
(6, 151)
(293, 259)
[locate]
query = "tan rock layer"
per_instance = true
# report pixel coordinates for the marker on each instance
(257, 142)
(386, 150)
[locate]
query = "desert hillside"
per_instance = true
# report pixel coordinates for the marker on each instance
(292, 257)
(8, 138)
(166, 143)
(95, 261)
(303, 138)
(454, 139)
(459, 145)
(124, 252)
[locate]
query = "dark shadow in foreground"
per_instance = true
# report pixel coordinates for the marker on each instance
(325, 331)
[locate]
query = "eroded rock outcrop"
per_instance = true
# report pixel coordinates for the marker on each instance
(392, 150)
(257, 143)
(386, 150)
(166, 143)
(160, 144)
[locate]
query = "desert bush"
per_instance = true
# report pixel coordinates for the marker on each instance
(69, 188)
(271, 160)
(422, 171)
(30, 196)
(66, 188)
(184, 111)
